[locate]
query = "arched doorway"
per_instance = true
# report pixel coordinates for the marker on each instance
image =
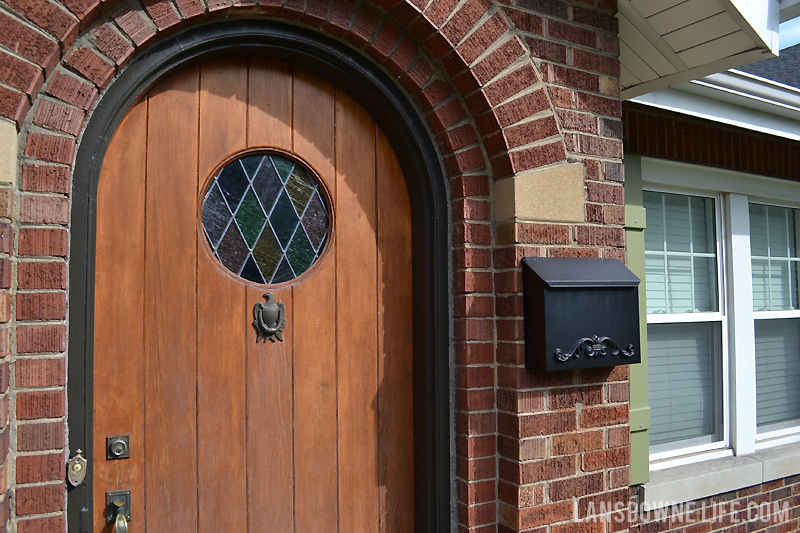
(426, 343)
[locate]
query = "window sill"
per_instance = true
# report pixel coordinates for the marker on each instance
(673, 486)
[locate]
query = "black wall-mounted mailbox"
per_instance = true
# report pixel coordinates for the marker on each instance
(579, 313)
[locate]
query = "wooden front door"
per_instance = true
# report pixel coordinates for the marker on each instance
(314, 433)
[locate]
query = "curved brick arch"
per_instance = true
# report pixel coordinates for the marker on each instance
(495, 88)
(494, 73)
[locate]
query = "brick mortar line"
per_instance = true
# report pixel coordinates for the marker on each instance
(35, 421)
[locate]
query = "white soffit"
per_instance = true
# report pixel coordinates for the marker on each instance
(736, 98)
(666, 42)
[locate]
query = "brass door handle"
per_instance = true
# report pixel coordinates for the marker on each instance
(118, 509)
(120, 524)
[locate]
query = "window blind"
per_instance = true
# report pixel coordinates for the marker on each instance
(684, 379)
(773, 246)
(680, 258)
(777, 370)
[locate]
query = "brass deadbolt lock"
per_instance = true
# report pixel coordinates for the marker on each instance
(118, 447)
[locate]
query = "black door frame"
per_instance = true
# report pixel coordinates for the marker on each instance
(425, 179)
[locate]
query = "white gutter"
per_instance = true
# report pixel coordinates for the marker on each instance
(736, 98)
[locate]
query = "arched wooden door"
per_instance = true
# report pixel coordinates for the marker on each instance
(314, 433)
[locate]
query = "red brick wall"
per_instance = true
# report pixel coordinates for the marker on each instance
(6, 313)
(505, 86)
(772, 507)
(562, 438)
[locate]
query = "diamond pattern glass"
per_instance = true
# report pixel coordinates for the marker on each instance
(265, 218)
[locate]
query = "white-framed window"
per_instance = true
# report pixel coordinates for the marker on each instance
(774, 247)
(722, 254)
(685, 323)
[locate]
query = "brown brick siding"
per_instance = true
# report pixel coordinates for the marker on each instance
(665, 134)
(558, 434)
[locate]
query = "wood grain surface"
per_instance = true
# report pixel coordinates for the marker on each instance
(170, 348)
(222, 318)
(395, 354)
(316, 487)
(356, 304)
(311, 434)
(119, 293)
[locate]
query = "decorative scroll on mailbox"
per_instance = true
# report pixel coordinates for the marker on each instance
(579, 313)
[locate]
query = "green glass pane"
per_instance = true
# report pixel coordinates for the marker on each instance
(250, 164)
(300, 253)
(283, 166)
(300, 189)
(250, 217)
(268, 253)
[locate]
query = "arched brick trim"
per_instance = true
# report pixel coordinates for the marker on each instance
(495, 86)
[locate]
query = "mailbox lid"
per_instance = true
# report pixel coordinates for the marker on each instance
(581, 272)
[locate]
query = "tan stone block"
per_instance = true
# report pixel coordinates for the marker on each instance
(553, 194)
(531, 495)
(610, 86)
(8, 152)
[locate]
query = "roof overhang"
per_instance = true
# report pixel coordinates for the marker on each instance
(736, 98)
(667, 42)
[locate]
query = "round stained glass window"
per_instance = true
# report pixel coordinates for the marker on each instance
(266, 217)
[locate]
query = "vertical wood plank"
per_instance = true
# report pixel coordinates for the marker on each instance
(315, 455)
(270, 466)
(119, 299)
(270, 96)
(269, 423)
(222, 319)
(170, 300)
(395, 354)
(356, 306)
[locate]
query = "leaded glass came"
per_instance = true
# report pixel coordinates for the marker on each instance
(265, 218)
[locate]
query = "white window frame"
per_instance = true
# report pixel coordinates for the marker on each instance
(719, 317)
(734, 192)
(790, 427)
